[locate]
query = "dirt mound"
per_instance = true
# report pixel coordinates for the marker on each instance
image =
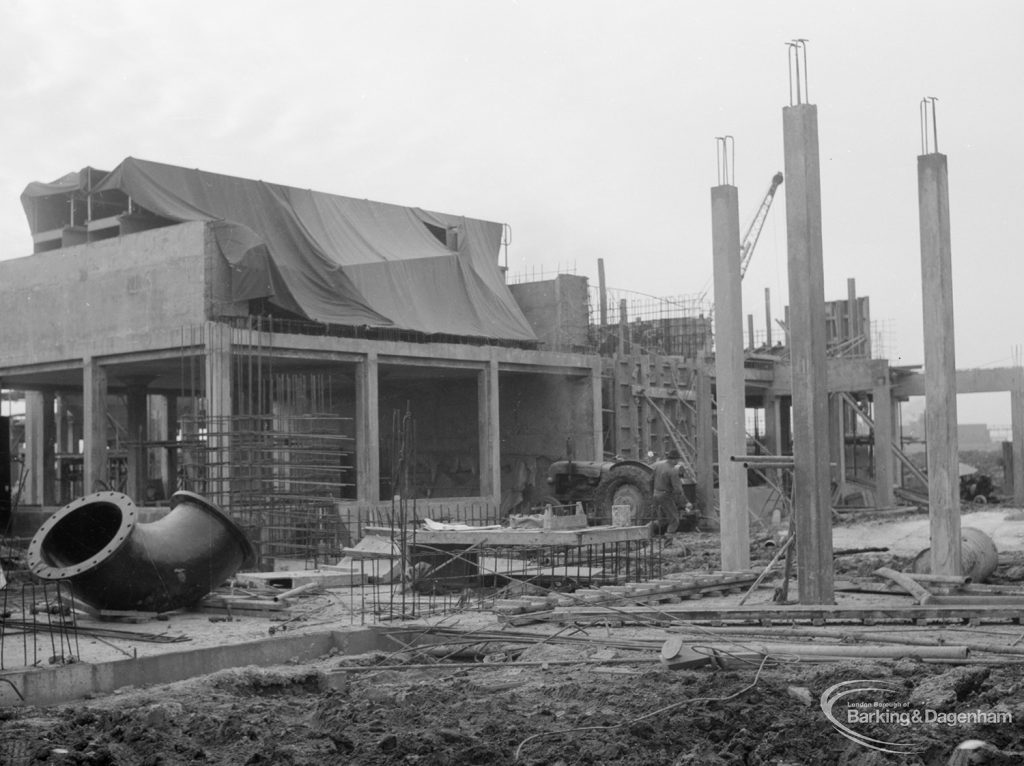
(564, 714)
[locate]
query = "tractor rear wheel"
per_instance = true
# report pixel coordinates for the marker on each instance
(625, 485)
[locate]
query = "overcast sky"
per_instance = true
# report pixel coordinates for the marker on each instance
(587, 126)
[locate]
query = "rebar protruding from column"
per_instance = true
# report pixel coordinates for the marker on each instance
(798, 90)
(726, 150)
(928, 136)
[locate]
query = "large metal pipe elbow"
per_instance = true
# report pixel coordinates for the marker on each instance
(113, 562)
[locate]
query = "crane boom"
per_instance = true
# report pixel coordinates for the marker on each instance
(754, 230)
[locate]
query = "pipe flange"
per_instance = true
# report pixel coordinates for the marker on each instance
(43, 567)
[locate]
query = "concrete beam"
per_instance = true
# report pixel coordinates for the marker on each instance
(940, 365)
(992, 380)
(811, 492)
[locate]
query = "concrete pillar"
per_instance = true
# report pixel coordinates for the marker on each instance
(837, 441)
(853, 319)
(488, 423)
(1017, 463)
(884, 455)
(367, 430)
(730, 381)
(163, 415)
(94, 426)
(219, 411)
(705, 441)
(811, 496)
(939, 365)
(597, 408)
(768, 317)
(40, 441)
(138, 434)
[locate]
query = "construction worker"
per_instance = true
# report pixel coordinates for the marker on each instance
(667, 491)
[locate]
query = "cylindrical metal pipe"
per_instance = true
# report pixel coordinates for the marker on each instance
(115, 563)
(978, 555)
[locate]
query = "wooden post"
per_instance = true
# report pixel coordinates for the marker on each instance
(811, 493)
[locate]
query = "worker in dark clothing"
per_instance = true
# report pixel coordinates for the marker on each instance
(667, 491)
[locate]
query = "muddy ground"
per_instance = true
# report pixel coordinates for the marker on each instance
(552, 704)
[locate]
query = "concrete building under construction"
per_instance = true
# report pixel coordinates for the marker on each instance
(301, 357)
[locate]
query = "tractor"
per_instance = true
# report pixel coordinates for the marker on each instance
(600, 485)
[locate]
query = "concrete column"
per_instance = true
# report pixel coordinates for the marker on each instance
(705, 441)
(811, 496)
(138, 434)
(1017, 421)
(94, 426)
(367, 430)
(939, 365)
(853, 318)
(40, 440)
(837, 441)
(768, 317)
(885, 476)
(730, 382)
(219, 410)
(597, 407)
(489, 416)
(163, 413)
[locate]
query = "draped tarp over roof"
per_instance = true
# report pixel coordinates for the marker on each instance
(340, 260)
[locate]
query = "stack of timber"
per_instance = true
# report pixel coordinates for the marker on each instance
(520, 611)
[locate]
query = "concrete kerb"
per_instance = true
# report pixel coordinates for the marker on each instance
(56, 685)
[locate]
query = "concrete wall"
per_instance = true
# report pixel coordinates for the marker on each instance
(64, 304)
(557, 310)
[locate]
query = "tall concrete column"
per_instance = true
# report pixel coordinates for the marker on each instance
(489, 415)
(705, 441)
(219, 411)
(40, 440)
(811, 495)
(368, 430)
(94, 426)
(732, 436)
(939, 364)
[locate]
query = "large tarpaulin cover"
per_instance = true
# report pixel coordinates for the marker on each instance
(336, 259)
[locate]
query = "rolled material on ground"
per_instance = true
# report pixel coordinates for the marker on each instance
(978, 556)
